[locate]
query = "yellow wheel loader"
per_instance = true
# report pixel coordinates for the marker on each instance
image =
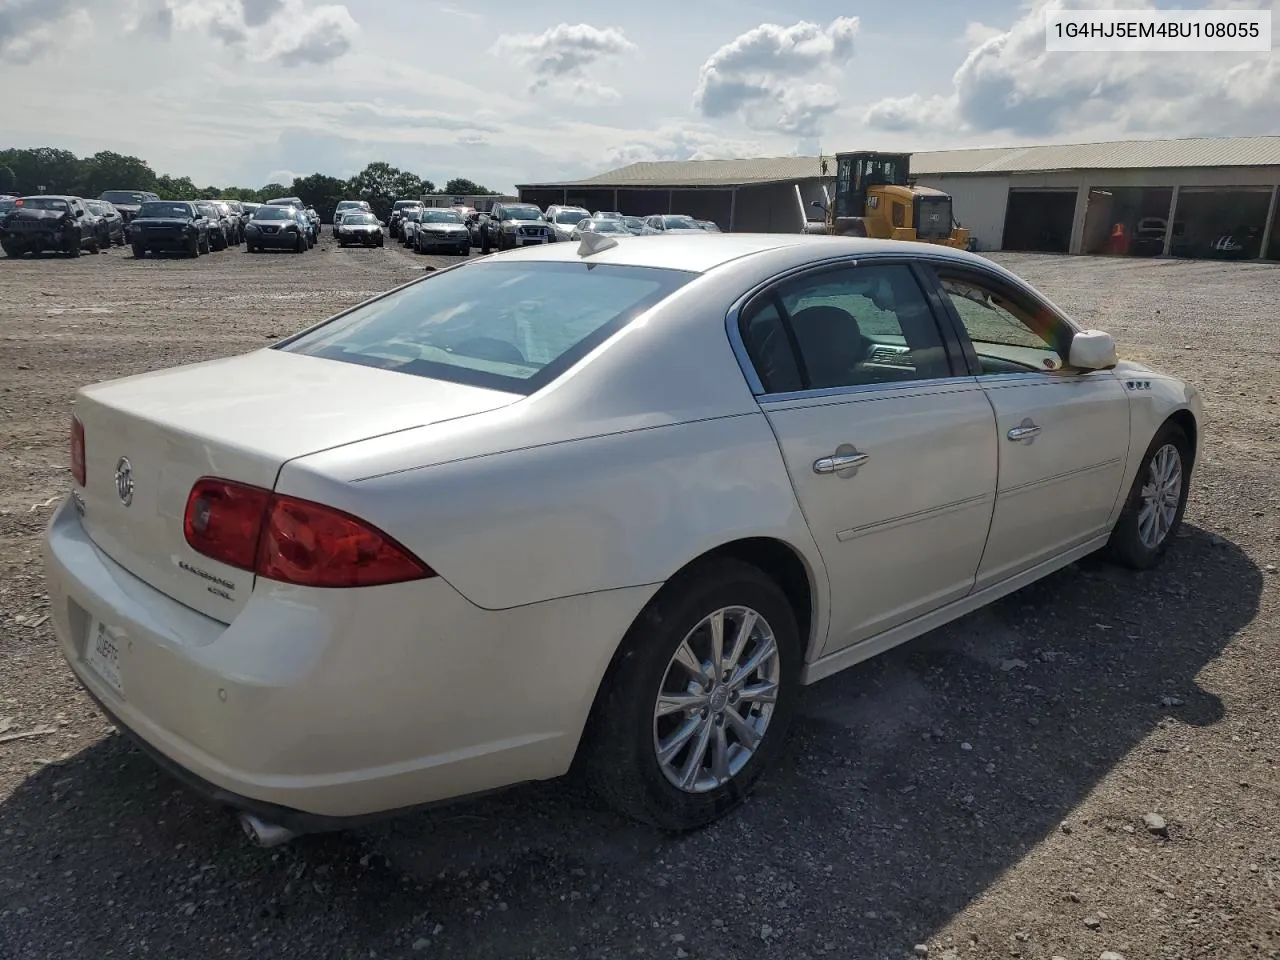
(873, 198)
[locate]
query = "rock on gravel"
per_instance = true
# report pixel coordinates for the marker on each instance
(1155, 824)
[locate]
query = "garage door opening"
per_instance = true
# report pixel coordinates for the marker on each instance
(1220, 224)
(1128, 221)
(1039, 221)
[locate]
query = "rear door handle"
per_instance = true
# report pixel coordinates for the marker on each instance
(834, 464)
(1024, 431)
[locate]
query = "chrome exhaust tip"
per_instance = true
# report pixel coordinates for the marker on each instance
(264, 834)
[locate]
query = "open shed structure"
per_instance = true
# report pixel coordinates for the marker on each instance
(1209, 197)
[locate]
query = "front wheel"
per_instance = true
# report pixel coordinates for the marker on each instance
(139, 251)
(1157, 500)
(697, 702)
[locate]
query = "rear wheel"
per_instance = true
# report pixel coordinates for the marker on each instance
(697, 702)
(1157, 500)
(11, 249)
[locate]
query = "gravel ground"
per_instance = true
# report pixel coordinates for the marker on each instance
(980, 792)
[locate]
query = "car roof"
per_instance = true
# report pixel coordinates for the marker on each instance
(48, 196)
(703, 251)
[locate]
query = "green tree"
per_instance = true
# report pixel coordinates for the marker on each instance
(8, 180)
(45, 168)
(111, 171)
(382, 185)
(462, 187)
(321, 192)
(176, 188)
(271, 191)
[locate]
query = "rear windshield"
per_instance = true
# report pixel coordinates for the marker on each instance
(571, 216)
(161, 209)
(512, 326)
(45, 203)
(125, 196)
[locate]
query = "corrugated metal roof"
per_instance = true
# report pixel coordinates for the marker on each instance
(1120, 154)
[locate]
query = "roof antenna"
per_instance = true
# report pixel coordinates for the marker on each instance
(593, 242)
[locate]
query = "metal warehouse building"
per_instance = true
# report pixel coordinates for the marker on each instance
(1194, 198)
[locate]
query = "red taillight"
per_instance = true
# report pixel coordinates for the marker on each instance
(77, 451)
(291, 540)
(224, 520)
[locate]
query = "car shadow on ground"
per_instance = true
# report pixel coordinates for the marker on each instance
(911, 783)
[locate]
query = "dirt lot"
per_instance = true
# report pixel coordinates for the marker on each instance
(980, 792)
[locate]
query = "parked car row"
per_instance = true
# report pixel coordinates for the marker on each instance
(58, 224)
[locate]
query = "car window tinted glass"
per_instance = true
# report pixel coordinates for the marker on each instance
(521, 213)
(862, 325)
(1001, 331)
(162, 209)
(570, 217)
(681, 223)
(273, 213)
(45, 203)
(768, 344)
(510, 326)
(441, 216)
(354, 218)
(123, 196)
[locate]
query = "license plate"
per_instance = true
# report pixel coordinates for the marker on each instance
(102, 654)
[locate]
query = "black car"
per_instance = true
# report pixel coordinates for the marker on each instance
(36, 224)
(357, 226)
(278, 227)
(442, 230)
(397, 213)
(127, 202)
(241, 214)
(169, 225)
(110, 222)
(220, 229)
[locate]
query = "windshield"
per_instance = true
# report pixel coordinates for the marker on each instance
(402, 204)
(635, 223)
(207, 210)
(512, 326)
(441, 216)
(680, 223)
(412, 213)
(352, 205)
(125, 196)
(161, 209)
(273, 213)
(44, 203)
(358, 217)
(521, 213)
(7, 204)
(571, 216)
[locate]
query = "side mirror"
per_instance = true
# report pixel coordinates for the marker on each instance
(79, 214)
(1092, 350)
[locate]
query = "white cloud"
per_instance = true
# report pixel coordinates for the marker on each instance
(976, 33)
(1010, 86)
(288, 32)
(561, 58)
(675, 141)
(29, 29)
(772, 77)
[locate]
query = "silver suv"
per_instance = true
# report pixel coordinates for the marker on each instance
(563, 219)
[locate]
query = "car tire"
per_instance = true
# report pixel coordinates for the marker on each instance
(204, 243)
(139, 251)
(1156, 502)
(193, 248)
(718, 764)
(92, 245)
(301, 245)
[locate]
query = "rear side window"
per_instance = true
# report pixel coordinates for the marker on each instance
(512, 326)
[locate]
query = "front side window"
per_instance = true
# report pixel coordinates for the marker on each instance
(511, 326)
(1008, 337)
(851, 326)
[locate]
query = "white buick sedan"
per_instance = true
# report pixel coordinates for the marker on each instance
(606, 506)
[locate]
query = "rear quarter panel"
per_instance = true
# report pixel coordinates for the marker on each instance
(581, 516)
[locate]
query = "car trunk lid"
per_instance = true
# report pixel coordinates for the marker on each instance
(149, 438)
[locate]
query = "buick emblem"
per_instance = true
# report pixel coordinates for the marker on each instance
(124, 481)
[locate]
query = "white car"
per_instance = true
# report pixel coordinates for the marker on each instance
(613, 502)
(671, 224)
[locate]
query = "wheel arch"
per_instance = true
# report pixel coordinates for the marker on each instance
(777, 559)
(1186, 420)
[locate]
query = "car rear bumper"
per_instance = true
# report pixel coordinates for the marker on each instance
(337, 703)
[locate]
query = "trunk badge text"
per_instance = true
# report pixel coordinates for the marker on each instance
(124, 481)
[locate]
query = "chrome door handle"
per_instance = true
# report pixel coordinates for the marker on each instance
(1025, 431)
(835, 464)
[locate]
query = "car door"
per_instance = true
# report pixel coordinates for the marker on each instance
(1063, 433)
(891, 455)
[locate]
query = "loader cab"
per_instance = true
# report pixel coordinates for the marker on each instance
(856, 173)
